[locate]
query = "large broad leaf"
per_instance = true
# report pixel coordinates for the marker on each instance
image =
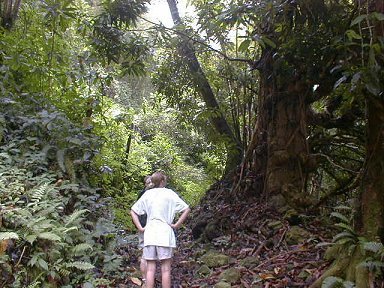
(244, 45)
(378, 16)
(358, 19)
(351, 34)
(42, 263)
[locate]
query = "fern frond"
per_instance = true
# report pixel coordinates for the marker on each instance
(81, 248)
(64, 272)
(33, 223)
(49, 236)
(375, 247)
(372, 265)
(8, 235)
(81, 265)
(343, 207)
(35, 284)
(344, 235)
(39, 193)
(340, 217)
(74, 216)
(346, 227)
(324, 244)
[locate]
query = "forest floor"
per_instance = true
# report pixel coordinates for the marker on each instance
(261, 250)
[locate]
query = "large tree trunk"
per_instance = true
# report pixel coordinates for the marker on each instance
(371, 223)
(275, 162)
(288, 152)
(202, 85)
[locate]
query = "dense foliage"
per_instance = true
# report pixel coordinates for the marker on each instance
(77, 138)
(94, 98)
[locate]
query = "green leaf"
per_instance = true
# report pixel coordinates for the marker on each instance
(31, 238)
(343, 236)
(372, 265)
(358, 19)
(343, 207)
(345, 227)
(80, 265)
(269, 42)
(351, 34)
(323, 244)
(378, 16)
(244, 45)
(42, 263)
(340, 217)
(374, 247)
(341, 80)
(81, 248)
(8, 235)
(74, 216)
(49, 236)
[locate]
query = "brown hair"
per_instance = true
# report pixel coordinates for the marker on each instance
(157, 177)
(148, 182)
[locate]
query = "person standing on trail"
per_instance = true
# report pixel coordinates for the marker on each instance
(160, 204)
(143, 221)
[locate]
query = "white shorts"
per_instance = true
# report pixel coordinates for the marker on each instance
(157, 252)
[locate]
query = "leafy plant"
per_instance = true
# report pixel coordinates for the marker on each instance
(372, 253)
(347, 236)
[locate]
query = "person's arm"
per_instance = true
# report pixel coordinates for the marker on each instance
(136, 221)
(181, 219)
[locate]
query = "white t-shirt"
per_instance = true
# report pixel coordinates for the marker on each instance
(160, 205)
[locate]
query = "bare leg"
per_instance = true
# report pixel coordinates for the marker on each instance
(166, 273)
(143, 267)
(151, 270)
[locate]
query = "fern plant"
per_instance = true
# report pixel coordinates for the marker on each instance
(349, 240)
(53, 232)
(347, 236)
(374, 260)
(52, 241)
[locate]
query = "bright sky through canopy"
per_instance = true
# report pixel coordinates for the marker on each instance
(159, 11)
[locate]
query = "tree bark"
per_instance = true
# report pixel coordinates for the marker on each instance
(9, 11)
(371, 223)
(276, 161)
(217, 119)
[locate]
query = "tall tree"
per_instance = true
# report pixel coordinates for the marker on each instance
(202, 85)
(294, 60)
(371, 222)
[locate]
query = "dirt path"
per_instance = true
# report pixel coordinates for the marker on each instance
(262, 252)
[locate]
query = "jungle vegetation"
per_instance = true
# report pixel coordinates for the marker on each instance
(281, 100)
